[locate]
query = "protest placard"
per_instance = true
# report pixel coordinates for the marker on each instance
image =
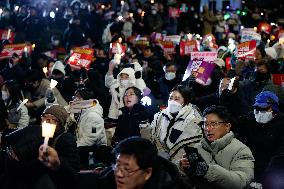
(186, 47)
(81, 58)
(19, 49)
(246, 50)
(249, 34)
(201, 66)
(7, 34)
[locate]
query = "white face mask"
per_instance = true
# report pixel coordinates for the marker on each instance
(124, 83)
(5, 95)
(173, 106)
(170, 75)
(263, 116)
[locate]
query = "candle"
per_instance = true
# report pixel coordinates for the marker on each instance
(9, 34)
(44, 69)
(143, 13)
(22, 104)
(230, 87)
(53, 83)
(47, 132)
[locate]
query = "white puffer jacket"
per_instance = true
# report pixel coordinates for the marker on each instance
(90, 126)
(117, 91)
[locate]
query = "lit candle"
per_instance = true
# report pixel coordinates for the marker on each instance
(44, 69)
(22, 104)
(47, 132)
(53, 83)
(9, 34)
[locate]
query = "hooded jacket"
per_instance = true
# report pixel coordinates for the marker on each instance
(170, 138)
(90, 124)
(117, 91)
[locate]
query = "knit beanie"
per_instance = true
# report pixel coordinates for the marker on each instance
(57, 111)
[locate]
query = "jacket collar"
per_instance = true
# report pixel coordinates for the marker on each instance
(219, 144)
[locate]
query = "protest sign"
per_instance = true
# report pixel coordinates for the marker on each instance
(246, 50)
(117, 48)
(168, 47)
(81, 58)
(201, 66)
(249, 34)
(142, 41)
(7, 34)
(173, 38)
(186, 47)
(19, 49)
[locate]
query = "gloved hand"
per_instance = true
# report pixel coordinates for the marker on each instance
(49, 95)
(197, 165)
(14, 116)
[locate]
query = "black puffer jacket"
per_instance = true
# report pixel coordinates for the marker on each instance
(128, 122)
(26, 172)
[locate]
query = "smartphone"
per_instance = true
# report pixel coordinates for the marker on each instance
(191, 153)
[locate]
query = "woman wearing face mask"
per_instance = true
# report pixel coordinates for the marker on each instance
(177, 125)
(12, 97)
(133, 113)
(126, 78)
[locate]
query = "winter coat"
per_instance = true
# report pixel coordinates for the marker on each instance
(230, 162)
(209, 20)
(29, 170)
(23, 119)
(171, 134)
(128, 122)
(38, 95)
(90, 124)
(264, 140)
(117, 91)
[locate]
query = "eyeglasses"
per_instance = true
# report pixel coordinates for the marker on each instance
(212, 124)
(124, 171)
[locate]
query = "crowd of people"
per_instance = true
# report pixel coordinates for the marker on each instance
(140, 116)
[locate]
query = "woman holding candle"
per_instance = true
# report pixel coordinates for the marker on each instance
(11, 94)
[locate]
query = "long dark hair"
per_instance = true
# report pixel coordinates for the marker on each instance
(15, 92)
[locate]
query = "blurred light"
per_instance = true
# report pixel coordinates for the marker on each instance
(227, 7)
(255, 28)
(242, 27)
(272, 37)
(268, 40)
(243, 2)
(238, 12)
(120, 18)
(44, 13)
(52, 14)
(17, 8)
(1, 11)
(131, 14)
(103, 6)
(56, 9)
(273, 24)
(33, 46)
(227, 16)
(146, 101)
(120, 40)
(122, 2)
(261, 14)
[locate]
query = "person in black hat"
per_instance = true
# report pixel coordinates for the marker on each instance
(29, 167)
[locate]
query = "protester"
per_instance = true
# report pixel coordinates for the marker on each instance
(177, 125)
(219, 160)
(25, 147)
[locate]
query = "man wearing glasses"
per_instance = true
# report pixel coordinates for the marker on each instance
(219, 160)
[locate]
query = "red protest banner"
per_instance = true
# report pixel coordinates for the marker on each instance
(246, 50)
(19, 49)
(7, 34)
(186, 47)
(168, 47)
(278, 79)
(264, 27)
(81, 58)
(117, 48)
